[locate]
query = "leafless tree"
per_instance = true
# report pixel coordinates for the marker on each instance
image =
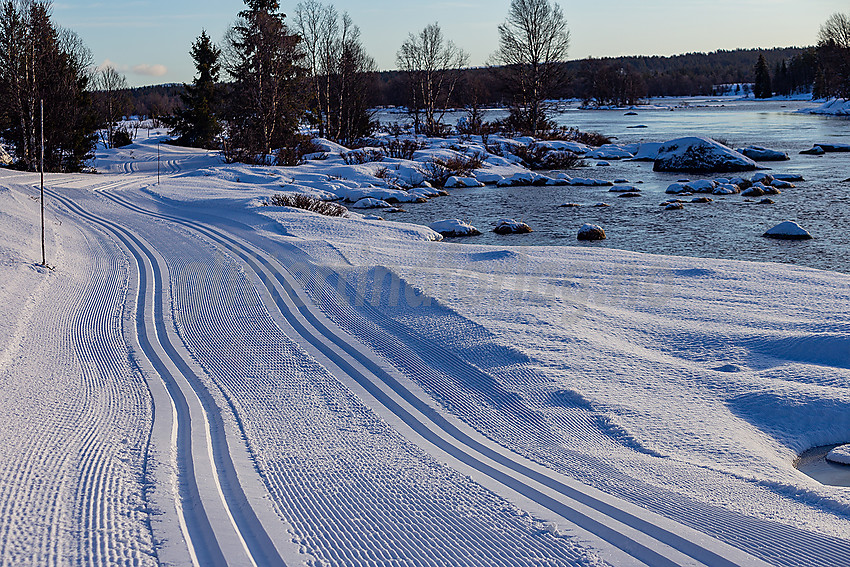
(833, 53)
(836, 30)
(433, 66)
(533, 44)
(112, 100)
(340, 71)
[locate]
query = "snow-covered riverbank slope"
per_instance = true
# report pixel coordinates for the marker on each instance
(205, 380)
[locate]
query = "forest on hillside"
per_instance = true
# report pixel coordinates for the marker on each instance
(692, 74)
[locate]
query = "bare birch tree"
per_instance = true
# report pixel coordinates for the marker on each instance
(433, 66)
(533, 44)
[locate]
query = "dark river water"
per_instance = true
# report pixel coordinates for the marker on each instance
(730, 227)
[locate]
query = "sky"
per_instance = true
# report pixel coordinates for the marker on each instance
(149, 40)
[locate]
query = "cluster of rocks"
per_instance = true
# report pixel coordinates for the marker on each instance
(820, 149)
(758, 185)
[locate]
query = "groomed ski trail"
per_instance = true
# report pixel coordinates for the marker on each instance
(629, 532)
(220, 523)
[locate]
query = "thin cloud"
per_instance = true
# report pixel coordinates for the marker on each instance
(150, 70)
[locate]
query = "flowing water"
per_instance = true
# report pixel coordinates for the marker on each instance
(730, 227)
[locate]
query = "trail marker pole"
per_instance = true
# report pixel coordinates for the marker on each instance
(157, 161)
(43, 250)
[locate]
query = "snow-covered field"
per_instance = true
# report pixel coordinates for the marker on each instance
(205, 380)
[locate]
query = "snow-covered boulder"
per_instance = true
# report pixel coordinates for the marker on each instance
(758, 153)
(488, 178)
(455, 182)
(788, 177)
(511, 226)
(702, 200)
(701, 186)
(674, 206)
(788, 230)
(591, 232)
(700, 154)
(840, 455)
(624, 189)
(370, 203)
(756, 190)
(518, 179)
(628, 195)
(603, 164)
(676, 188)
(454, 227)
(814, 151)
(726, 189)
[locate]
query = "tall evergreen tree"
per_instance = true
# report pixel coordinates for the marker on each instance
(762, 87)
(267, 101)
(197, 124)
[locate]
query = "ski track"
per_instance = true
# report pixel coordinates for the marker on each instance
(324, 334)
(425, 513)
(77, 463)
(219, 523)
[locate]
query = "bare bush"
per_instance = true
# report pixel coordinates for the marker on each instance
(307, 203)
(536, 156)
(358, 157)
(403, 149)
(575, 135)
(438, 170)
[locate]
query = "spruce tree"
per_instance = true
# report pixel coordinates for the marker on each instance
(268, 99)
(762, 87)
(197, 124)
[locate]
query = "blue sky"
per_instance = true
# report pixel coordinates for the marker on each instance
(149, 40)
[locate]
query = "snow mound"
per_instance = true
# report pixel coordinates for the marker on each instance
(454, 227)
(840, 455)
(788, 230)
(700, 154)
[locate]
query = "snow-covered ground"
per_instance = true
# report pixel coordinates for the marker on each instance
(203, 380)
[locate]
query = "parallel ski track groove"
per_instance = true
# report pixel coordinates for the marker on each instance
(201, 534)
(329, 342)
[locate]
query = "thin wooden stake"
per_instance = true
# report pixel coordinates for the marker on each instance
(43, 250)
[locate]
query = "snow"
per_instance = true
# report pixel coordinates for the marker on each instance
(840, 455)
(383, 396)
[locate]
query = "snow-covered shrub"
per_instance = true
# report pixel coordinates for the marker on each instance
(307, 203)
